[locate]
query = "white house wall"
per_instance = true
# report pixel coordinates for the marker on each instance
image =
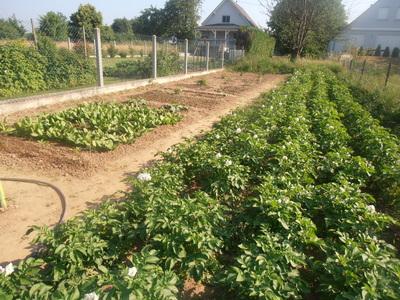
(226, 9)
(370, 30)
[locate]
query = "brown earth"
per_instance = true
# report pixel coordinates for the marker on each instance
(88, 178)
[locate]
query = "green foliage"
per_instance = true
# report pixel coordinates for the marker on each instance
(306, 27)
(276, 202)
(86, 16)
(22, 69)
(256, 42)
(122, 29)
(107, 34)
(178, 18)
(64, 68)
(112, 51)
(361, 51)
(378, 51)
(123, 54)
(97, 126)
(386, 53)
(54, 25)
(11, 28)
(396, 52)
(167, 64)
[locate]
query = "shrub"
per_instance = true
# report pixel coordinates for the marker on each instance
(22, 69)
(256, 41)
(167, 64)
(361, 51)
(378, 50)
(396, 53)
(123, 54)
(64, 68)
(112, 51)
(386, 53)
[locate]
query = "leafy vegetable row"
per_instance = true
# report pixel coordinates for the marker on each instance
(97, 126)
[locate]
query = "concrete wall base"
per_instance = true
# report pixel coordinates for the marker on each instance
(20, 104)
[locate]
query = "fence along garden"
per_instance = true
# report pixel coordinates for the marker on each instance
(87, 58)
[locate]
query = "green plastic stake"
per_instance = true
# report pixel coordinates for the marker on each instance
(3, 203)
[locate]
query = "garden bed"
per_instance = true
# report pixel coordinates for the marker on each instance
(87, 178)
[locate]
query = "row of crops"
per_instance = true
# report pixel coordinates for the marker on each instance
(283, 200)
(96, 126)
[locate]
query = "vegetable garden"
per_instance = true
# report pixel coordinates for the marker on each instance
(296, 197)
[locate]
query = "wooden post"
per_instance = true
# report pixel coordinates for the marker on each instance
(363, 69)
(388, 73)
(69, 44)
(35, 41)
(99, 59)
(186, 55)
(84, 41)
(208, 56)
(154, 57)
(351, 65)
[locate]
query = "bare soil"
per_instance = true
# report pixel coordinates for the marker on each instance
(88, 178)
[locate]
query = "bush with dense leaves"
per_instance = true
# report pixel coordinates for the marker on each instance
(22, 69)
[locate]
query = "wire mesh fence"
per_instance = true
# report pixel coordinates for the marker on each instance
(70, 56)
(375, 72)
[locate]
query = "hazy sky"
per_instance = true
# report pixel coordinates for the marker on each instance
(111, 9)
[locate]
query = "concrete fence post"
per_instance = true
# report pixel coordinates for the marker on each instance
(186, 55)
(389, 70)
(223, 55)
(84, 41)
(208, 56)
(99, 59)
(154, 57)
(69, 44)
(35, 41)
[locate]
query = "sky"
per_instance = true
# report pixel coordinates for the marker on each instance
(111, 9)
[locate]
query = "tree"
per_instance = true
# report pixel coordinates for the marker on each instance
(396, 52)
(305, 26)
(107, 33)
(87, 16)
(149, 22)
(11, 28)
(178, 18)
(386, 53)
(54, 25)
(122, 29)
(378, 50)
(181, 17)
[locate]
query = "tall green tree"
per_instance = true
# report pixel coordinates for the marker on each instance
(305, 26)
(11, 28)
(87, 16)
(181, 18)
(122, 29)
(178, 18)
(54, 25)
(151, 21)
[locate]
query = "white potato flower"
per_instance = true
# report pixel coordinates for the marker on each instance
(8, 270)
(371, 208)
(132, 272)
(239, 130)
(144, 177)
(91, 296)
(228, 163)
(219, 155)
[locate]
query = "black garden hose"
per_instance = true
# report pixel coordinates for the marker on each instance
(56, 189)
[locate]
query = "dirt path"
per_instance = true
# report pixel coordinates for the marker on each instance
(39, 205)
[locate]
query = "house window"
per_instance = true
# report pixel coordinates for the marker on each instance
(383, 13)
(226, 19)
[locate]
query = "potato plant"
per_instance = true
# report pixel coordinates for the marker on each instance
(275, 202)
